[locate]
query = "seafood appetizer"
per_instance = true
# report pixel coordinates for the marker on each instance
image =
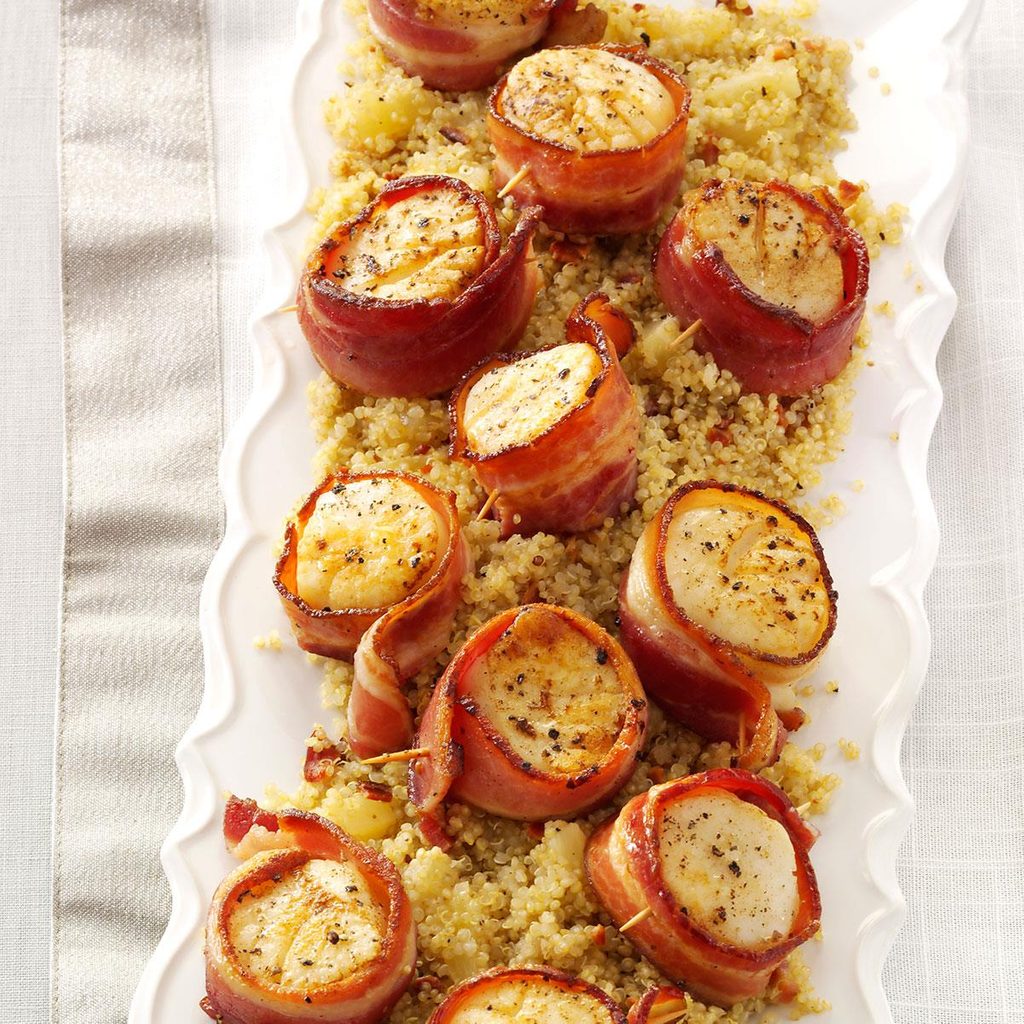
(726, 603)
(404, 298)
(709, 876)
(552, 434)
(313, 926)
(595, 136)
(777, 278)
(372, 569)
(539, 715)
(527, 994)
(457, 45)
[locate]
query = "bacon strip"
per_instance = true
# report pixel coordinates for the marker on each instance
(614, 192)
(569, 997)
(237, 996)
(471, 761)
(322, 756)
(716, 688)
(416, 347)
(451, 52)
(623, 863)
(664, 1004)
(769, 348)
(389, 644)
(572, 25)
(582, 469)
(244, 818)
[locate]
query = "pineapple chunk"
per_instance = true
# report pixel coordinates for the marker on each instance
(763, 79)
(375, 116)
(749, 105)
(360, 816)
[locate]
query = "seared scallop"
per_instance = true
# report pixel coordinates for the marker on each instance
(588, 100)
(527, 996)
(368, 544)
(774, 244)
(309, 926)
(512, 404)
(731, 868)
(427, 246)
(550, 692)
(748, 573)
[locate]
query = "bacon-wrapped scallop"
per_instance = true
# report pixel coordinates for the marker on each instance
(778, 279)
(726, 603)
(711, 880)
(553, 434)
(404, 298)
(527, 994)
(539, 715)
(466, 44)
(596, 136)
(372, 567)
(313, 926)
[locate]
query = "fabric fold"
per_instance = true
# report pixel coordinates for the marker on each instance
(143, 415)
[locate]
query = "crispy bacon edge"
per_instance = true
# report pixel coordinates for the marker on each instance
(417, 347)
(664, 1003)
(581, 469)
(235, 996)
(623, 865)
(497, 976)
(472, 762)
(448, 54)
(389, 644)
(613, 192)
(769, 348)
(716, 688)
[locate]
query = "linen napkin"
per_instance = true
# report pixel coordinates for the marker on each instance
(143, 515)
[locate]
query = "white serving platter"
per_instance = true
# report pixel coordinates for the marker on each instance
(258, 707)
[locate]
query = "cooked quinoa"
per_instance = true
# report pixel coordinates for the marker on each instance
(769, 100)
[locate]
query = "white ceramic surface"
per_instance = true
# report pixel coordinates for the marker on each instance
(257, 706)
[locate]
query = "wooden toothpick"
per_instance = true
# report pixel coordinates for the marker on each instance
(689, 332)
(522, 173)
(288, 309)
(637, 918)
(488, 504)
(399, 755)
(803, 808)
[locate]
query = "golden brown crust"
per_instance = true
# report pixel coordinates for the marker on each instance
(724, 647)
(546, 977)
(335, 632)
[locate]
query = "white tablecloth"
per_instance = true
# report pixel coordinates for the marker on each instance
(961, 957)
